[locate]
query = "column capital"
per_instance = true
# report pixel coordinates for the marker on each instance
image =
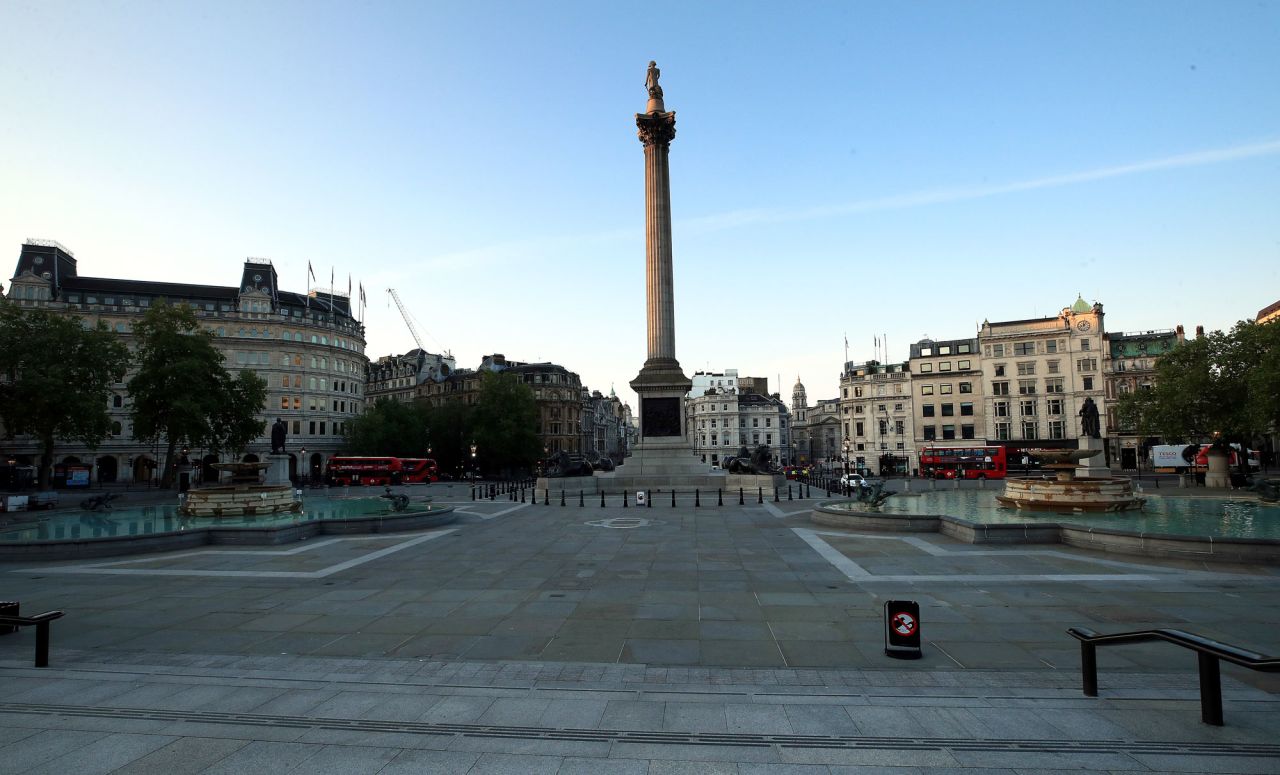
(656, 128)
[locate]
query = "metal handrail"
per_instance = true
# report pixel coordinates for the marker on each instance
(41, 623)
(1208, 652)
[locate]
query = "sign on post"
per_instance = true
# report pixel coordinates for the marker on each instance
(640, 497)
(902, 629)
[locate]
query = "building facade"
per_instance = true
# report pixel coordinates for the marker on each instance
(1130, 367)
(876, 422)
(557, 391)
(397, 377)
(308, 347)
(723, 420)
(1037, 374)
(948, 406)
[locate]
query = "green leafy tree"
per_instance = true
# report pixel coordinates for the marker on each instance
(183, 394)
(450, 429)
(1223, 387)
(505, 423)
(389, 427)
(55, 379)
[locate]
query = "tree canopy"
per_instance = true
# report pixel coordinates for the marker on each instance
(183, 394)
(55, 378)
(502, 424)
(1224, 386)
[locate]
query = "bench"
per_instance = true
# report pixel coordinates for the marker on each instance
(41, 623)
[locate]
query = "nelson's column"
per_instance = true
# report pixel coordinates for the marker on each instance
(663, 449)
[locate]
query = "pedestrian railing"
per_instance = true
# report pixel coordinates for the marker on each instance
(1209, 652)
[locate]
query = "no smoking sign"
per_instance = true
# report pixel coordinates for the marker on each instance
(904, 623)
(902, 629)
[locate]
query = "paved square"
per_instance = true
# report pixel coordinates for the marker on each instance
(733, 586)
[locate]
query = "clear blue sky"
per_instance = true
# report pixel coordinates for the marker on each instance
(846, 167)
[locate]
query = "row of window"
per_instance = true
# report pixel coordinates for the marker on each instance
(948, 410)
(1047, 346)
(945, 349)
(742, 422)
(1057, 429)
(945, 388)
(948, 432)
(1027, 407)
(926, 368)
(727, 440)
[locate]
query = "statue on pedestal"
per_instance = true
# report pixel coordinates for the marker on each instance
(651, 81)
(279, 432)
(1089, 423)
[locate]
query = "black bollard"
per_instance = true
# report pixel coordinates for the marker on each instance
(719, 497)
(648, 502)
(624, 498)
(673, 497)
(602, 499)
(775, 494)
(697, 499)
(546, 496)
(522, 495)
(473, 492)
(581, 502)
(741, 502)
(808, 491)
(789, 492)
(562, 497)
(760, 495)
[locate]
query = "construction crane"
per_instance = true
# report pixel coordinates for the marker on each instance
(404, 313)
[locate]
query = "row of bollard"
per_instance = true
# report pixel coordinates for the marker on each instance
(799, 493)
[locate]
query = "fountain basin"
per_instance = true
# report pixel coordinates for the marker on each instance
(240, 500)
(1069, 495)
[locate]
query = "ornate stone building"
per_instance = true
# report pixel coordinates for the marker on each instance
(723, 420)
(307, 346)
(557, 391)
(604, 426)
(1037, 374)
(397, 377)
(1130, 367)
(876, 418)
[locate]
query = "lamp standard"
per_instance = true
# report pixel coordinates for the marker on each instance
(473, 460)
(304, 465)
(846, 448)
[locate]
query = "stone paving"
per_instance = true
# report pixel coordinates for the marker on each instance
(528, 638)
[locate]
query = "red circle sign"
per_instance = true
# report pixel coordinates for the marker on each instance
(903, 623)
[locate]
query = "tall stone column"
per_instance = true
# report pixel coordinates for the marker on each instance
(661, 384)
(657, 130)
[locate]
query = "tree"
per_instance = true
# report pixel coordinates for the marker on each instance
(1223, 387)
(55, 379)
(183, 394)
(505, 423)
(391, 428)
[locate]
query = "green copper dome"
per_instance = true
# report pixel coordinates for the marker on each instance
(1081, 305)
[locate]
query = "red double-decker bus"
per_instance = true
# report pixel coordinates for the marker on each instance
(419, 470)
(963, 462)
(343, 471)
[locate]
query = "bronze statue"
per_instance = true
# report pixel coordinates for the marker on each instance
(651, 81)
(279, 431)
(1089, 424)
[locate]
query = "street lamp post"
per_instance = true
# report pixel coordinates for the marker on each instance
(304, 465)
(473, 460)
(847, 447)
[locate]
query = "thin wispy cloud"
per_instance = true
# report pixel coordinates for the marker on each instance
(720, 221)
(499, 253)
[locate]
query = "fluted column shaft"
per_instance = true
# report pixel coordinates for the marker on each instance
(660, 286)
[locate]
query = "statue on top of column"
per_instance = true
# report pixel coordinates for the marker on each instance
(651, 81)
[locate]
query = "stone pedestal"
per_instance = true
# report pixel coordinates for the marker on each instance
(1094, 467)
(1218, 472)
(278, 469)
